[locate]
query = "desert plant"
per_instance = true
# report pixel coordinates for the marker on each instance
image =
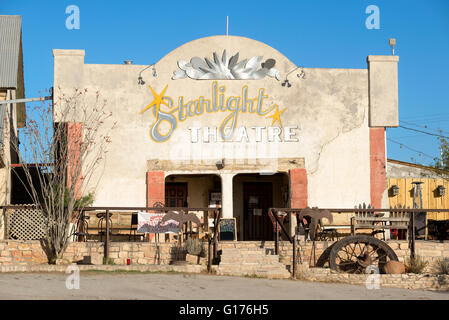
(415, 265)
(441, 266)
(194, 247)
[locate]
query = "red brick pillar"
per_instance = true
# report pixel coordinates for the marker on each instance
(74, 167)
(155, 187)
(155, 190)
(298, 187)
(378, 172)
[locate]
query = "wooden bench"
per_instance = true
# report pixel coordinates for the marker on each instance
(366, 222)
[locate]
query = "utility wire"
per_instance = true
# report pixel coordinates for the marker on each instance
(414, 150)
(430, 134)
(425, 127)
(433, 116)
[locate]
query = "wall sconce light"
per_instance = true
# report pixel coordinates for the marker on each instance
(300, 75)
(220, 164)
(441, 190)
(392, 43)
(394, 190)
(286, 83)
(140, 79)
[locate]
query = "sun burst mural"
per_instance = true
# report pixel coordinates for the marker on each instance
(226, 69)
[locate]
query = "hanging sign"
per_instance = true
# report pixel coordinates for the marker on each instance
(151, 223)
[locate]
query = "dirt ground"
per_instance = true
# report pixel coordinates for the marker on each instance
(154, 286)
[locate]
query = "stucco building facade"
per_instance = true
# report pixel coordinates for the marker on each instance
(230, 121)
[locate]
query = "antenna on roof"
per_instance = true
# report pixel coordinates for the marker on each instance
(227, 25)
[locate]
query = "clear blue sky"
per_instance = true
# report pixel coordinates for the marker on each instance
(317, 33)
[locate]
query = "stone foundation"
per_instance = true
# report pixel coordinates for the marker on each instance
(30, 252)
(429, 250)
(142, 253)
(404, 281)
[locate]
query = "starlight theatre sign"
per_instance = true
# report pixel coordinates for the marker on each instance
(169, 110)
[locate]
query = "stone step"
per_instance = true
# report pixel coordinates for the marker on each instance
(249, 262)
(275, 274)
(246, 251)
(249, 258)
(228, 268)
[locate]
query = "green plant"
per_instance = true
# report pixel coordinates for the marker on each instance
(109, 261)
(441, 266)
(416, 265)
(194, 247)
(82, 202)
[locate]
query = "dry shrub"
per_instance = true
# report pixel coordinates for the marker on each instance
(194, 246)
(416, 265)
(441, 266)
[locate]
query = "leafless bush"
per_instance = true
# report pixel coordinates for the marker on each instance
(64, 144)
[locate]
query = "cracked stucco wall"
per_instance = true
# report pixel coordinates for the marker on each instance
(329, 107)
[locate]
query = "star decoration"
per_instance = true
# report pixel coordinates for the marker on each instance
(158, 99)
(277, 116)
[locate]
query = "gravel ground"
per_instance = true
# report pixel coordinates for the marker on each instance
(154, 286)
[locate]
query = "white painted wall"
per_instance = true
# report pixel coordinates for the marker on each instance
(330, 108)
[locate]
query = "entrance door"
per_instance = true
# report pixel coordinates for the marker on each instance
(257, 199)
(176, 194)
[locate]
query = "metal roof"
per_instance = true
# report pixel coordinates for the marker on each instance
(10, 34)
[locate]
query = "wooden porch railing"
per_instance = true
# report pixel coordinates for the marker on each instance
(107, 210)
(394, 211)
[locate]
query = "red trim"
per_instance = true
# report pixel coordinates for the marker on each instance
(378, 174)
(155, 190)
(74, 141)
(298, 187)
(155, 187)
(19, 165)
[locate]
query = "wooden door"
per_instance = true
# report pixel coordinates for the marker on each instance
(257, 199)
(176, 194)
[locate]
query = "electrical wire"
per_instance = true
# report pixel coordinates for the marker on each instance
(414, 150)
(425, 127)
(428, 133)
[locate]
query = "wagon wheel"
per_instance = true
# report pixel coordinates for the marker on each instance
(354, 254)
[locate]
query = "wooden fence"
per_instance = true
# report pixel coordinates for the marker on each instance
(430, 195)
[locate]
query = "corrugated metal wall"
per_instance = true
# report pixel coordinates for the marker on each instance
(10, 31)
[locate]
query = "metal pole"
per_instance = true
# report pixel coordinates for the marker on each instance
(294, 256)
(216, 221)
(106, 244)
(412, 244)
(5, 222)
(25, 100)
(277, 238)
(209, 255)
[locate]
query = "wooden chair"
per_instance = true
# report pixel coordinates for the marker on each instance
(401, 225)
(366, 219)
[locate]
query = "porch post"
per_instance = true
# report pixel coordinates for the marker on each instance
(298, 188)
(155, 190)
(226, 195)
(155, 187)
